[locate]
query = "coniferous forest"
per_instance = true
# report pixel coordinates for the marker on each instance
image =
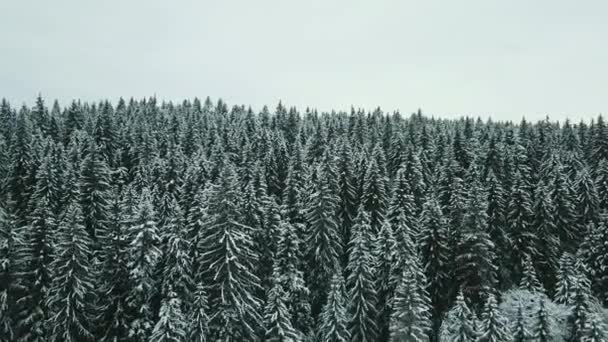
(146, 221)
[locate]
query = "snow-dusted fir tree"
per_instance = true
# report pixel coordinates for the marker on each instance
(459, 323)
(375, 200)
(385, 253)
(529, 281)
(435, 254)
(71, 297)
(198, 323)
(542, 330)
(144, 256)
(277, 318)
(519, 327)
(288, 261)
(172, 324)
(360, 282)
(595, 329)
(581, 302)
(94, 184)
(323, 242)
(226, 261)
(594, 252)
(36, 254)
(176, 262)
(9, 240)
(494, 326)
(334, 319)
(546, 237)
(475, 270)
(566, 280)
(410, 319)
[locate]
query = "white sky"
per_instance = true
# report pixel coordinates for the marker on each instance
(500, 58)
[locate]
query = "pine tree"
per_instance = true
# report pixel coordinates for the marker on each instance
(288, 261)
(566, 279)
(333, 318)
(494, 327)
(386, 256)
(199, 319)
(227, 264)
(529, 281)
(374, 195)
(35, 255)
(519, 218)
(324, 248)
(435, 253)
(581, 302)
(410, 320)
(171, 325)
(546, 237)
(519, 328)
(595, 330)
(594, 250)
(360, 282)
(176, 263)
(587, 199)
(475, 270)
(144, 255)
(10, 239)
(542, 330)
(459, 324)
(71, 295)
(277, 318)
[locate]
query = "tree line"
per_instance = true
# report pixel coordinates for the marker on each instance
(145, 221)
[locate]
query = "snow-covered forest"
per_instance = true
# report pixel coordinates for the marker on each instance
(146, 221)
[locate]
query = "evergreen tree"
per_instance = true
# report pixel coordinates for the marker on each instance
(459, 324)
(386, 256)
(199, 319)
(546, 237)
(10, 239)
(333, 318)
(360, 281)
(542, 330)
(529, 281)
(144, 255)
(324, 248)
(494, 327)
(435, 253)
(71, 296)
(277, 319)
(171, 325)
(475, 256)
(410, 320)
(227, 264)
(374, 195)
(595, 330)
(519, 328)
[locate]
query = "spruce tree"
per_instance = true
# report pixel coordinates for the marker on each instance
(374, 197)
(226, 261)
(494, 327)
(144, 255)
(71, 298)
(277, 318)
(10, 239)
(529, 281)
(475, 270)
(519, 330)
(171, 325)
(360, 282)
(333, 318)
(410, 319)
(199, 319)
(459, 324)
(386, 256)
(323, 242)
(546, 239)
(435, 254)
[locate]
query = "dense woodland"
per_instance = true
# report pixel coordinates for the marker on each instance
(146, 221)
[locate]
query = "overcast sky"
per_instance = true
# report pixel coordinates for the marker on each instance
(500, 58)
